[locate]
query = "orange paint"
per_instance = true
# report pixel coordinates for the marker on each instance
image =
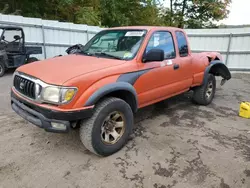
(89, 73)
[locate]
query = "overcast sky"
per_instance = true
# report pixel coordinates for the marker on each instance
(239, 12)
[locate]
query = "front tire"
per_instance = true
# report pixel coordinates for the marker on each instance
(2, 69)
(108, 130)
(204, 94)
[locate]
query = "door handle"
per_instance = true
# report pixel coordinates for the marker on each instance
(176, 66)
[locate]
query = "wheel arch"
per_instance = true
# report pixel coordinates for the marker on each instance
(217, 68)
(122, 90)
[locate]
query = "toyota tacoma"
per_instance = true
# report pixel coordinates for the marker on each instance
(101, 86)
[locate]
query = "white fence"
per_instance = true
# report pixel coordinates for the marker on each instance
(55, 37)
(232, 43)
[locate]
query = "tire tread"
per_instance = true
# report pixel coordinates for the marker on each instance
(87, 125)
(199, 92)
(3, 67)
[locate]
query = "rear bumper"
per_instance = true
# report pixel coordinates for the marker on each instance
(44, 118)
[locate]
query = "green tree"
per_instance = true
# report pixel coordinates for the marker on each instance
(196, 13)
(77, 11)
(110, 13)
(88, 15)
(129, 12)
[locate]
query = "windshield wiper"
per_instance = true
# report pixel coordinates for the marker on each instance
(107, 55)
(86, 53)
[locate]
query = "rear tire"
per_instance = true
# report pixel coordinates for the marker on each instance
(108, 130)
(204, 94)
(2, 69)
(32, 59)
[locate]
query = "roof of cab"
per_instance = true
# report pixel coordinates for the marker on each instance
(148, 28)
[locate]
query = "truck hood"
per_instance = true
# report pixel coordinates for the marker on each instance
(60, 69)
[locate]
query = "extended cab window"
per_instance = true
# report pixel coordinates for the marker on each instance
(162, 40)
(182, 43)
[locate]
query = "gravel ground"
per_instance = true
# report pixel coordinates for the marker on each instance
(175, 144)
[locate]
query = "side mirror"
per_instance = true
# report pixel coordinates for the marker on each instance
(75, 49)
(154, 55)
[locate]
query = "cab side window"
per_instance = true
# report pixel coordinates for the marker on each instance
(182, 43)
(162, 40)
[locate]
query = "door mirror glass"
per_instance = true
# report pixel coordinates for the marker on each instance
(154, 55)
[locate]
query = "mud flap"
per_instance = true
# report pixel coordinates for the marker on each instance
(223, 81)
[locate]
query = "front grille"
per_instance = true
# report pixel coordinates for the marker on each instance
(24, 86)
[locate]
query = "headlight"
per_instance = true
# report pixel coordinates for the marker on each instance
(58, 95)
(67, 94)
(51, 94)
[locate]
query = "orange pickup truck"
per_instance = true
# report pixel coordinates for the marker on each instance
(101, 86)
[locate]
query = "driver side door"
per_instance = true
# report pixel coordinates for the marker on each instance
(161, 81)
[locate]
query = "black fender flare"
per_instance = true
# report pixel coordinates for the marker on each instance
(217, 68)
(108, 89)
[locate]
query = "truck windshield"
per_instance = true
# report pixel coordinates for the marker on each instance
(117, 44)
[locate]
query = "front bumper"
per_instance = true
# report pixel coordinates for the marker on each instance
(44, 118)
